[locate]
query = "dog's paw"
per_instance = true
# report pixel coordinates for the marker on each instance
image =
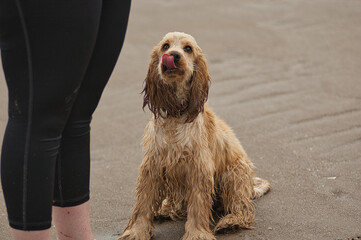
(261, 187)
(164, 212)
(231, 222)
(198, 235)
(131, 234)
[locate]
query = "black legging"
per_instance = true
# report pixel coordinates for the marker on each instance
(57, 57)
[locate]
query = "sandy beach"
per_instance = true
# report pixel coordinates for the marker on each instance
(286, 76)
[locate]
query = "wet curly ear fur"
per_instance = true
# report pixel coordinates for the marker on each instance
(158, 94)
(199, 87)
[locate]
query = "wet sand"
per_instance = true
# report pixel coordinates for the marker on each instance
(286, 75)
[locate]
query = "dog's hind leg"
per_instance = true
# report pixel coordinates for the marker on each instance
(237, 189)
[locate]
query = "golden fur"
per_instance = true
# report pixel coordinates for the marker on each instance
(191, 157)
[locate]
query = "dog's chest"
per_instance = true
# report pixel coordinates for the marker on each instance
(174, 137)
(174, 146)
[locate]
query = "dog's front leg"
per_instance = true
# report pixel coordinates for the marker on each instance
(200, 185)
(149, 198)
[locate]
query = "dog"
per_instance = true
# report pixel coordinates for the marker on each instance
(192, 158)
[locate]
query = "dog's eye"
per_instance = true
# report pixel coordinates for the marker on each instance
(165, 46)
(188, 49)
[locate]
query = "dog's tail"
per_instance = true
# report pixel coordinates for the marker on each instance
(261, 187)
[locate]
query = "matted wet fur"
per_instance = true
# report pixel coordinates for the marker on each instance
(190, 155)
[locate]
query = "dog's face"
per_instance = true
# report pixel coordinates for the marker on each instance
(177, 77)
(176, 54)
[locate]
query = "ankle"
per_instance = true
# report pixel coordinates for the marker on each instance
(31, 235)
(73, 222)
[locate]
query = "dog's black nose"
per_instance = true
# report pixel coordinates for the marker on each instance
(176, 56)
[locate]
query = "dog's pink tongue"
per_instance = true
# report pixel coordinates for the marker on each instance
(168, 61)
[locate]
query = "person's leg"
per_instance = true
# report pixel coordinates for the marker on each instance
(73, 222)
(31, 235)
(45, 48)
(73, 163)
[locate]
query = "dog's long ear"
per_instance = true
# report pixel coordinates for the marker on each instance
(157, 94)
(199, 87)
(150, 88)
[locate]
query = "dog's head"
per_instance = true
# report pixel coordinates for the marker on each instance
(177, 81)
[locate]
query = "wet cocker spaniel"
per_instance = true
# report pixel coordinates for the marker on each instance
(192, 159)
